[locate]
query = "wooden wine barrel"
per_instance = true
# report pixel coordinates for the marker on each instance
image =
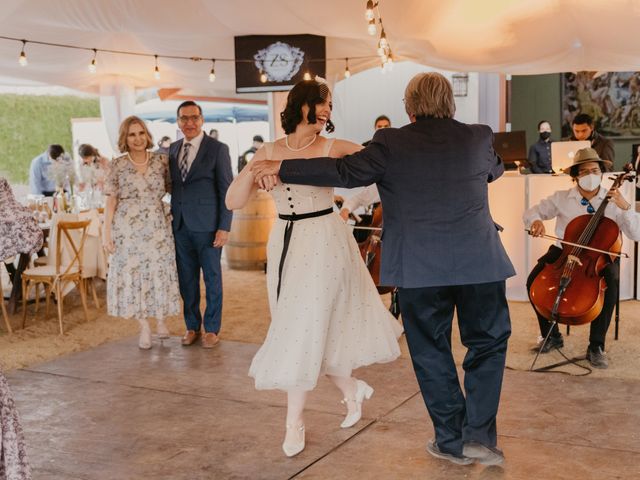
(247, 245)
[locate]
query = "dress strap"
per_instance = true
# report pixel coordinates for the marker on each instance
(327, 146)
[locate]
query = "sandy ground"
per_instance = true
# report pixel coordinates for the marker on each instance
(246, 319)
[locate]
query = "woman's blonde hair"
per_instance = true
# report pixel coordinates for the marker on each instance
(429, 95)
(124, 131)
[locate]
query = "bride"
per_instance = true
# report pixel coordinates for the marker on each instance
(326, 315)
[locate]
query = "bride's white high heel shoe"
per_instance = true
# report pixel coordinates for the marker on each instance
(291, 449)
(363, 390)
(144, 343)
(161, 330)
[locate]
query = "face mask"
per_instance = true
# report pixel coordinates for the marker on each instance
(545, 135)
(590, 182)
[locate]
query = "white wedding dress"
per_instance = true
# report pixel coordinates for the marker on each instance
(329, 318)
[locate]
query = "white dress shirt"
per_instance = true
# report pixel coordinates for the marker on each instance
(193, 151)
(565, 205)
(363, 198)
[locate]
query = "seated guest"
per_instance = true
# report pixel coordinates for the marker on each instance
(40, 182)
(583, 129)
(19, 230)
(540, 152)
(91, 157)
(13, 453)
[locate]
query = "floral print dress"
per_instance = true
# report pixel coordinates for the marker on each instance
(142, 280)
(13, 455)
(19, 231)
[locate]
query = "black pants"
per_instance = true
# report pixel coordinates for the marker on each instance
(485, 327)
(600, 325)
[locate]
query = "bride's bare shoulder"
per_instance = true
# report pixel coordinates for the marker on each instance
(340, 148)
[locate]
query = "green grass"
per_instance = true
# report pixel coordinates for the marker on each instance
(30, 123)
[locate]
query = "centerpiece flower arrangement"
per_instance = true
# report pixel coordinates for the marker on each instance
(63, 174)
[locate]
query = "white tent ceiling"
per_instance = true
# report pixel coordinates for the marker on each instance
(510, 36)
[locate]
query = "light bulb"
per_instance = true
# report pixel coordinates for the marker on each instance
(156, 73)
(92, 66)
(263, 77)
(212, 73)
(383, 40)
(371, 29)
(22, 60)
(306, 76)
(368, 14)
(347, 73)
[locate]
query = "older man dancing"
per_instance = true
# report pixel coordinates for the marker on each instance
(442, 249)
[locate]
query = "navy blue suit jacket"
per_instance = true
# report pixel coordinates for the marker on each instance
(433, 180)
(199, 200)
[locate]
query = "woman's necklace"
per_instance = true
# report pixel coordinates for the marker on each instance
(139, 164)
(286, 142)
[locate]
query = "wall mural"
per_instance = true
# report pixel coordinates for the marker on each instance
(611, 98)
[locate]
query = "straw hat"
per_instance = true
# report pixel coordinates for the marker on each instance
(585, 155)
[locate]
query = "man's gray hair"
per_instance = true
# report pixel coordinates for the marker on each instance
(429, 95)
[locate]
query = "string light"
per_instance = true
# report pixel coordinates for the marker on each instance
(212, 73)
(22, 60)
(371, 29)
(92, 66)
(383, 47)
(368, 14)
(383, 38)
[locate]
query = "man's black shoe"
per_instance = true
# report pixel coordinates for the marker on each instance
(433, 449)
(483, 454)
(598, 358)
(552, 343)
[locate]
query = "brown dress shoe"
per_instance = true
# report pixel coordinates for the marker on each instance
(210, 340)
(190, 337)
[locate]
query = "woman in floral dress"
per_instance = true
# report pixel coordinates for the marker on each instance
(143, 281)
(13, 455)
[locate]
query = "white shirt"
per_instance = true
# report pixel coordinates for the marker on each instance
(363, 198)
(193, 150)
(565, 205)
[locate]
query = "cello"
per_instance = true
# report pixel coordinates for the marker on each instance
(370, 249)
(571, 289)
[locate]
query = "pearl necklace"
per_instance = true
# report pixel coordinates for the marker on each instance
(286, 142)
(141, 163)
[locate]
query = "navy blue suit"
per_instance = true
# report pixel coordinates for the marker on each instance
(198, 209)
(442, 249)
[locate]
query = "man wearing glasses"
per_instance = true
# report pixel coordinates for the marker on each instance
(200, 175)
(565, 205)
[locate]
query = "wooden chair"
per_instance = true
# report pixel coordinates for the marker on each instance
(5, 315)
(56, 277)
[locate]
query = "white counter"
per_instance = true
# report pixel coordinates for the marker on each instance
(511, 195)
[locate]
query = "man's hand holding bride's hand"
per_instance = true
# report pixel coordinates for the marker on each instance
(265, 173)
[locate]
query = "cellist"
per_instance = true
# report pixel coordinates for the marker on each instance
(565, 205)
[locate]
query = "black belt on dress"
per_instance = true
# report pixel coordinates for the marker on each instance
(288, 230)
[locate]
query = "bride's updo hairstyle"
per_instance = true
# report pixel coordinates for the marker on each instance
(310, 92)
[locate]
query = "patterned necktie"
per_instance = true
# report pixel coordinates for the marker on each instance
(184, 165)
